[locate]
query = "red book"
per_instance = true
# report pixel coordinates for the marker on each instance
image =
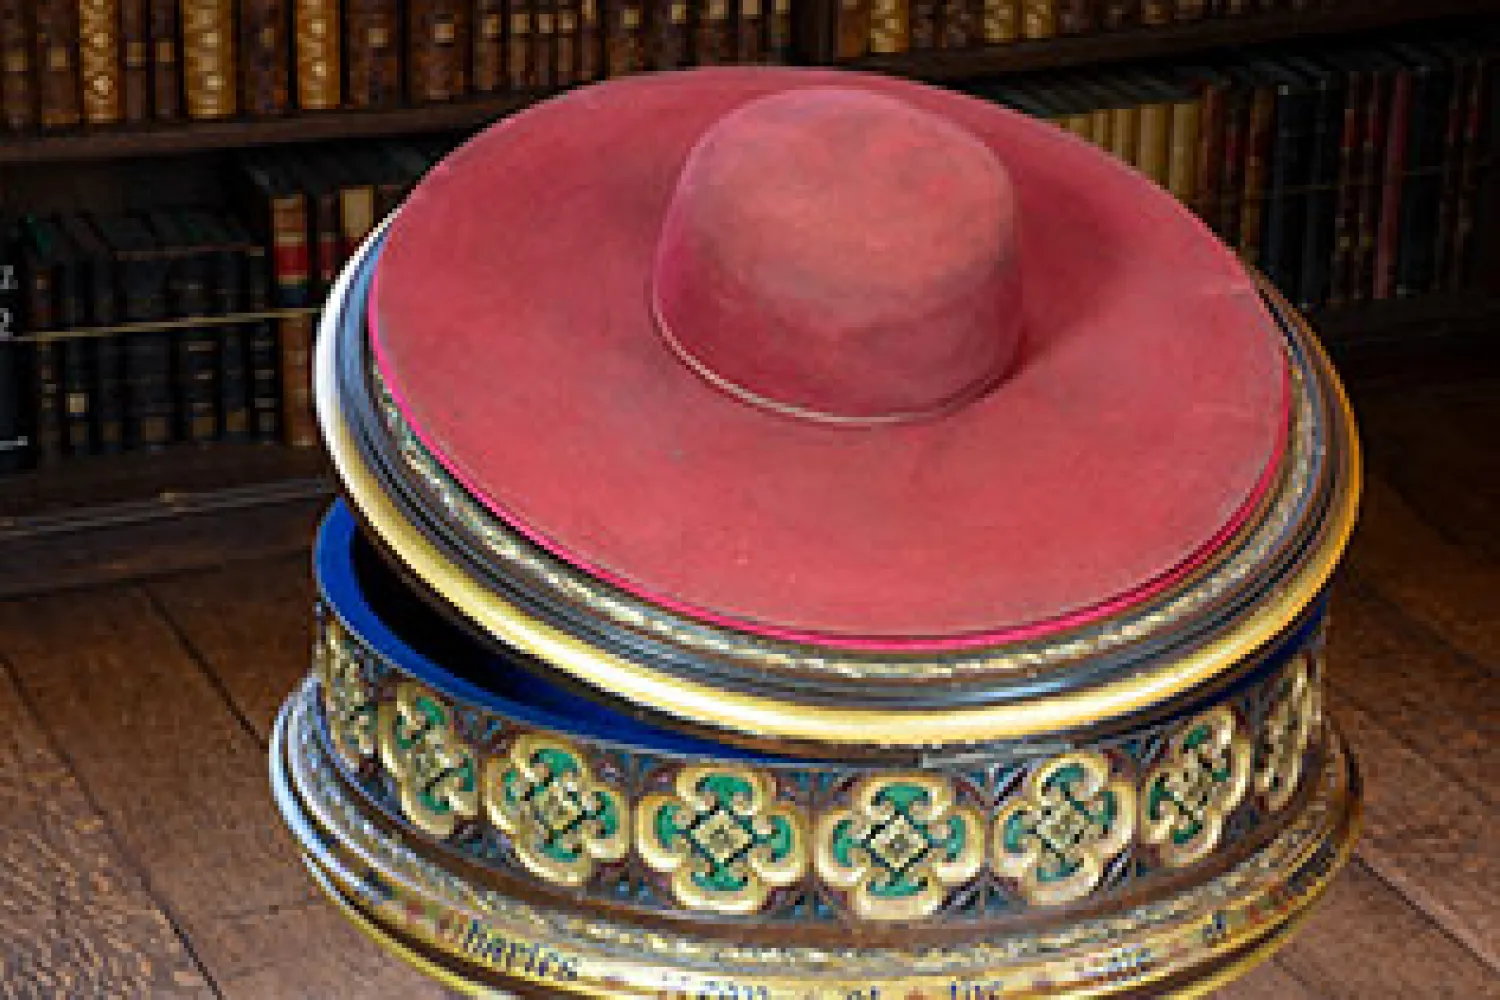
(1391, 186)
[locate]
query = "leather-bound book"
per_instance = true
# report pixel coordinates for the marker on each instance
(324, 228)
(108, 355)
(166, 62)
(265, 57)
(299, 425)
(100, 68)
(1115, 15)
(1471, 78)
(1184, 146)
(142, 270)
(924, 16)
(1038, 18)
(135, 60)
(565, 47)
(1393, 179)
(1426, 154)
(624, 36)
(18, 105)
(544, 42)
(518, 56)
(46, 389)
(778, 31)
(1289, 158)
(488, 44)
(1154, 136)
(1257, 154)
(712, 44)
(590, 41)
(372, 55)
(851, 28)
(1001, 22)
(15, 438)
(670, 34)
(890, 26)
(1189, 10)
(749, 32)
(388, 182)
(272, 199)
(225, 279)
(56, 60)
(194, 349)
(1211, 90)
(316, 51)
(354, 186)
(74, 355)
(263, 377)
(1077, 17)
(1320, 179)
(436, 50)
(1158, 12)
(1354, 88)
(209, 77)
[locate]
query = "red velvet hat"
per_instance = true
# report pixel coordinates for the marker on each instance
(832, 358)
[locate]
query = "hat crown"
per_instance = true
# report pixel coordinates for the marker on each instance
(841, 255)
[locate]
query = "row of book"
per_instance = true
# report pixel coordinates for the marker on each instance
(69, 62)
(184, 326)
(1345, 174)
(883, 27)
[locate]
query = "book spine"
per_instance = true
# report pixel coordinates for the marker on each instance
(890, 26)
(851, 28)
(1258, 134)
(18, 105)
(208, 58)
(1001, 21)
(328, 240)
(194, 351)
(356, 216)
(590, 41)
(1346, 196)
(1189, 10)
(316, 51)
(1154, 141)
(74, 359)
(15, 442)
(1470, 173)
(1285, 192)
(488, 39)
(372, 59)
(1209, 156)
(1076, 17)
(1124, 133)
(625, 36)
(749, 32)
(148, 355)
(518, 45)
(1421, 202)
(1383, 286)
(1119, 14)
(261, 349)
(778, 31)
(233, 376)
(109, 358)
(1362, 266)
(670, 32)
(99, 66)
(1101, 128)
(711, 45)
(1320, 202)
(1182, 156)
(1155, 13)
(296, 336)
(544, 42)
(166, 66)
(291, 263)
(1038, 19)
(46, 368)
(265, 57)
(1453, 131)
(135, 60)
(56, 61)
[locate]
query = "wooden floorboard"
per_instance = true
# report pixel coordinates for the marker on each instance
(75, 918)
(183, 786)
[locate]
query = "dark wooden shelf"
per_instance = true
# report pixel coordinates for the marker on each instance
(1174, 39)
(134, 486)
(1435, 331)
(175, 138)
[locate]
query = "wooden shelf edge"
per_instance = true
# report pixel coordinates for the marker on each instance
(122, 141)
(1173, 39)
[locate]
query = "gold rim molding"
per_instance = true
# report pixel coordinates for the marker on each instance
(766, 717)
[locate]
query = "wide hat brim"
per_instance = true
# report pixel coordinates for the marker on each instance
(512, 325)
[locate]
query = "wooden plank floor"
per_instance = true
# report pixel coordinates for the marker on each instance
(140, 855)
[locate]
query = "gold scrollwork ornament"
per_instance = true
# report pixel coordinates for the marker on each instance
(1065, 824)
(348, 696)
(1189, 795)
(436, 772)
(722, 838)
(1288, 730)
(560, 818)
(900, 846)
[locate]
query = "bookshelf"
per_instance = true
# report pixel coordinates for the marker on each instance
(121, 167)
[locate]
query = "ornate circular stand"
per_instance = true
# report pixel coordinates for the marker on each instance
(525, 777)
